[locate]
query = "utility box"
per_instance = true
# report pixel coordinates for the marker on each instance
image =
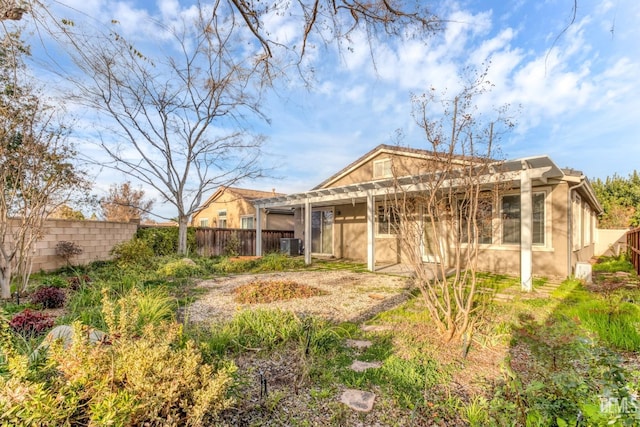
(290, 246)
(583, 272)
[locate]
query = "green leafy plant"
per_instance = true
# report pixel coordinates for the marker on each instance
(476, 413)
(164, 240)
(54, 281)
(147, 376)
(232, 245)
(180, 268)
(135, 251)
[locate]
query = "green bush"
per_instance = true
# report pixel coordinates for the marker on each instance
(150, 377)
(180, 268)
(164, 240)
(269, 262)
(54, 282)
(614, 264)
(133, 252)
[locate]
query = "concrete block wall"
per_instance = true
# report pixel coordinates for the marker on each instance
(96, 238)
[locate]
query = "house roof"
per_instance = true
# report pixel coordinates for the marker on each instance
(240, 193)
(385, 148)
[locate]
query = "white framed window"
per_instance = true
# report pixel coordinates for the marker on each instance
(587, 225)
(222, 219)
(247, 222)
(576, 232)
(387, 219)
(382, 168)
(511, 219)
(484, 221)
(204, 222)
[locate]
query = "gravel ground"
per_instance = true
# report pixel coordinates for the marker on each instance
(350, 296)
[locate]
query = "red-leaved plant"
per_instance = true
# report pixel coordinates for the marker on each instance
(30, 323)
(49, 297)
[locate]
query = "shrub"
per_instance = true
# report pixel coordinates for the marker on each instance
(232, 245)
(54, 282)
(180, 268)
(67, 250)
(164, 240)
(48, 297)
(30, 323)
(274, 290)
(155, 377)
(75, 282)
(133, 252)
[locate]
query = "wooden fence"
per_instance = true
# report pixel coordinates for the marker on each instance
(222, 241)
(633, 245)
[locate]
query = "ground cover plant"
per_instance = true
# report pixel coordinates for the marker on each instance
(568, 358)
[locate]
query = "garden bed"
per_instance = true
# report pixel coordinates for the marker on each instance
(348, 296)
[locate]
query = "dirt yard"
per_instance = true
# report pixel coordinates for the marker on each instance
(350, 296)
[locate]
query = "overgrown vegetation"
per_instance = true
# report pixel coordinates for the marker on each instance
(567, 359)
(148, 374)
(620, 199)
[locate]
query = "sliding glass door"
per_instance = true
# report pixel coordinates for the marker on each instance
(322, 231)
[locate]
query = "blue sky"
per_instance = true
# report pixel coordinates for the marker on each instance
(576, 93)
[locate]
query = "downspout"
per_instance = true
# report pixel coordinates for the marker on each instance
(570, 223)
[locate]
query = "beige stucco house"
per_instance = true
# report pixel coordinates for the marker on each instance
(231, 207)
(542, 222)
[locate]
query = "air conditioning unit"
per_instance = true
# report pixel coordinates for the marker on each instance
(290, 246)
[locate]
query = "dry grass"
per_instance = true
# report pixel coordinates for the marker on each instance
(266, 291)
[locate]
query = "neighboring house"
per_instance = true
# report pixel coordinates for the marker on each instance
(345, 214)
(231, 207)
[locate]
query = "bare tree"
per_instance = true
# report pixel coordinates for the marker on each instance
(124, 203)
(177, 122)
(36, 170)
(440, 228)
(326, 20)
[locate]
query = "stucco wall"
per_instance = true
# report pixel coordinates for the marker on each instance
(403, 165)
(96, 238)
(350, 232)
(611, 242)
(236, 208)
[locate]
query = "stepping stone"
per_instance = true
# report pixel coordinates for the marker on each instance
(360, 366)
(358, 400)
(359, 344)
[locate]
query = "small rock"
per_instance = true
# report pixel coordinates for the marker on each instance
(622, 274)
(358, 400)
(359, 344)
(188, 261)
(65, 333)
(360, 366)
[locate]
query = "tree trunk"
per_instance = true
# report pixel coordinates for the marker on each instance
(182, 233)
(5, 281)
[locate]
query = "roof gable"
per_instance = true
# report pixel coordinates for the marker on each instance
(240, 193)
(379, 152)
